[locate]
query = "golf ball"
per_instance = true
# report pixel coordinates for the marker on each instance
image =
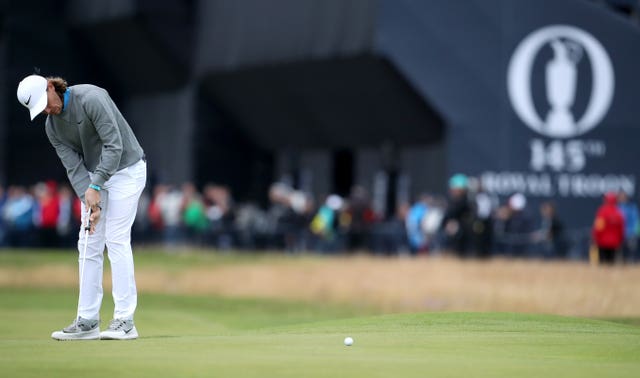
(348, 341)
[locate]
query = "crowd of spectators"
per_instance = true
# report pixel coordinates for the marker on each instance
(45, 215)
(467, 222)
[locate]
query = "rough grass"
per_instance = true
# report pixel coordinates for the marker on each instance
(385, 284)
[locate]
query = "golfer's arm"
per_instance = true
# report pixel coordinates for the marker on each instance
(100, 111)
(73, 163)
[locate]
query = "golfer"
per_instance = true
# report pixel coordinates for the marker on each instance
(107, 169)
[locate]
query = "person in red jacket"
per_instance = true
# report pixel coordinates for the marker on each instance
(608, 229)
(46, 217)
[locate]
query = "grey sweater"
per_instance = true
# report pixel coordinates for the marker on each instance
(91, 135)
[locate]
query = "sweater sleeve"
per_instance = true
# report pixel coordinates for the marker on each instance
(99, 108)
(72, 161)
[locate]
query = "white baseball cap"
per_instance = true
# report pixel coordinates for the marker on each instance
(32, 93)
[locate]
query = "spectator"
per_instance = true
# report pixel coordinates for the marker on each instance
(252, 226)
(629, 212)
(432, 223)
(49, 212)
(141, 229)
(518, 228)
(325, 224)
(154, 213)
(280, 215)
(416, 235)
(608, 229)
(66, 224)
(413, 224)
(499, 229)
(194, 217)
(359, 217)
(458, 218)
(296, 239)
(220, 215)
(18, 215)
(551, 233)
(388, 236)
(3, 200)
(169, 203)
(485, 205)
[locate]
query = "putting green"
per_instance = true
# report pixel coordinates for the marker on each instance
(183, 336)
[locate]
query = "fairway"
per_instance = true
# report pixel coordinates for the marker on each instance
(211, 335)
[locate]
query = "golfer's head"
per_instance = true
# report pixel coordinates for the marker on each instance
(32, 93)
(39, 94)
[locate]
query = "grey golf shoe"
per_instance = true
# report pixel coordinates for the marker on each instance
(120, 329)
(80, 329)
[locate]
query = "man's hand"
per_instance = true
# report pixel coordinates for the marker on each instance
(94, 218)
(91, 198)
(92, 201)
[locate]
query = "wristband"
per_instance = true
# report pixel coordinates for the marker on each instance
(95, 187)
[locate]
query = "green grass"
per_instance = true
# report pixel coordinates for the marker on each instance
(208, 336)
(174, 259)
(189, 336)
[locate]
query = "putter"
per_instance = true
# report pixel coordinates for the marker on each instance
(83, 257)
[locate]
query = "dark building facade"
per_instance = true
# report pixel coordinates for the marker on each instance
(537, 97)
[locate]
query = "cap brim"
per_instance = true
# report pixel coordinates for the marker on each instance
(38, 107)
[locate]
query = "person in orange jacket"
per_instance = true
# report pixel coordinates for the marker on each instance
(608, 229)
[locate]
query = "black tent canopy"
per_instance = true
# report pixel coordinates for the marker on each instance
(335, 103)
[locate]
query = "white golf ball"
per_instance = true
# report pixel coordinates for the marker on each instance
(348, 341)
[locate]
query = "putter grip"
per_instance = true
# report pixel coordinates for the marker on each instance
(88, 226)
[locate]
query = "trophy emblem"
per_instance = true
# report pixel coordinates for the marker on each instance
(561, 75)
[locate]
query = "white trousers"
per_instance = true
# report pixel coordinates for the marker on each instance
(119, 198)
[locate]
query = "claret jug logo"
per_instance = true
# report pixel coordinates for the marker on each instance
(569, 45)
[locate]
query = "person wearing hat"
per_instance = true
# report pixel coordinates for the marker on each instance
(458, 217)
(607, 231)
(107, 170)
